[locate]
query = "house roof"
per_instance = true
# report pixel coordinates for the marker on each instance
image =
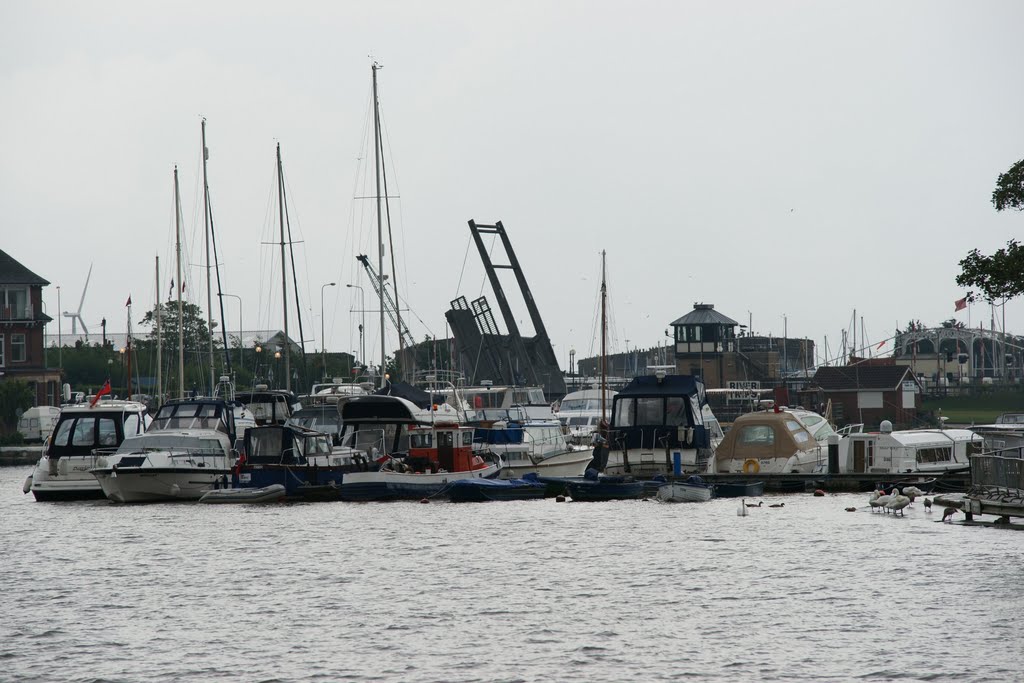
(876, 377)
(704, 314)
(13, 273)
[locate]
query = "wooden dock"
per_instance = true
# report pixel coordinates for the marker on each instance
(948, 482)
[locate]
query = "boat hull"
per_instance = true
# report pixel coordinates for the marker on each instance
(266, 494)
(739, 489)
(66, 478)
(299, 482)
(484, 490)
(568, 464)
(384, 485)
(684, 493)
(602, 491)
(154, 484)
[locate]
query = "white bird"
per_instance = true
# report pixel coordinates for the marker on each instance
(742, 511)
(873, 499)
(882, 501)
(897, 504)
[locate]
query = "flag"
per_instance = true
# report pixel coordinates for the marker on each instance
(960, 304)
(129, 302)
(881, 345)
(171, 292)
(102, 392)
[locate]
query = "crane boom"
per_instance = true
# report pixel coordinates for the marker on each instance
(390, 305)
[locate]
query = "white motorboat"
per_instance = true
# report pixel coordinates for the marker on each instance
(911, 451)
(62, 472)
(774, 441)
(529, 439)
(188, 450)
(580, 413)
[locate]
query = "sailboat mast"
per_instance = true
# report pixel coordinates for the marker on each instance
(206, 228)
(284, 276)
(604, 350)
(181, 321)
(380, 225)
(159, 340)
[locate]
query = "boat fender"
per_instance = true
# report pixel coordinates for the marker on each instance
(751, 466)
(27, 486)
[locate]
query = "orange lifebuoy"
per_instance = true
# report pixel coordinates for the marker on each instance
(751, 466)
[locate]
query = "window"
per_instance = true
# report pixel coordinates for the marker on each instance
(793, 425)
(625, 412)
(467, 438)
(650, 411)
(63, 432)
(18, 348)
(420, 440)
(84, 432)
(758, 435)
(131, 424)
(108, 432)
(14, 303)
(675, 415)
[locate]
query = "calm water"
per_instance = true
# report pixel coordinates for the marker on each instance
(531, 591)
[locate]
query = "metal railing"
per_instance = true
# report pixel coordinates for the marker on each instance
(997, 477)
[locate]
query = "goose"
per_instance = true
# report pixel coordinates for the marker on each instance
(751, 505)
(742, 511)
(898, 503)
(927, 504)
(948, 513)
(777, 505)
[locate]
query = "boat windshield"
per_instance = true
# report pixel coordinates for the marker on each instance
(327, 421)
(189, 416)
(159, 442)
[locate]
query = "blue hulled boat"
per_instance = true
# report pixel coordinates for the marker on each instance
(599, 488)
(481, 490)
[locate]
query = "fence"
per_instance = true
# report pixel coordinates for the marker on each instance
(997, 478)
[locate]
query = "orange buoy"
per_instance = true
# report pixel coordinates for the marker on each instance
(424, 500)
(819, 492)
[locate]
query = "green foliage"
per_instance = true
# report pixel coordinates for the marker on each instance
(12, 439)
(15, 396)
(1009, 192)
(999, 276)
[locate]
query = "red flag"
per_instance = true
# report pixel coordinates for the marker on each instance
(102, 392)
(960, 304)
(881, 345)
(129, 302)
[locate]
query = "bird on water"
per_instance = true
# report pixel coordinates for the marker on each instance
(742, 511)
(752, 505)
(928, 504)
(777, 505)
(948, 513)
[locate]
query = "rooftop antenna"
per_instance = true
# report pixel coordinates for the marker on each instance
(76, 317)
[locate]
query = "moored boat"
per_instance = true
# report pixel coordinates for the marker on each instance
(413, 453)
(265, 494)
(693, 490)
(594, 487)
(481, 490)
(739, 489)
(62, 472)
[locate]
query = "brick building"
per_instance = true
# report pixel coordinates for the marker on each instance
(22, 324)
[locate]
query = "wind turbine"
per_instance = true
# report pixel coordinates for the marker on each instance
(77, 315)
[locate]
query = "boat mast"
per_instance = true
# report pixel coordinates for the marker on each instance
(177, 252)
(206, 228)
(284, 275)
(380, 228)
(604, 353)
(159, 339)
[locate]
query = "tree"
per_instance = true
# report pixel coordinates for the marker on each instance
(1001, 275)
(15, 397)
(196, 334)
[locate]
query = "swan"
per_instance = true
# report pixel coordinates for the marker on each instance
(742, 511)
(873, 499)
(883, 501)
(897, 504)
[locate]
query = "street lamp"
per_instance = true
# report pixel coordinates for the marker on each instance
(323, 340)
(241, 358)
(277, 360)
(362, 326)
(60, 345)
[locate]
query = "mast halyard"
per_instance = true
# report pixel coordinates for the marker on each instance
(604, 352)
(284, 275)
(177, 252)
(159, 340)
(209, 283)
(380, 228)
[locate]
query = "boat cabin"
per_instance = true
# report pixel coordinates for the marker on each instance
(913, 450)
(195, 414)
(81, 429)
(284, 445)
(661, 410)
(774, 440)
(269, 406)
(320, 417)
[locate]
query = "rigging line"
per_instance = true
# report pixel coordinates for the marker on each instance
(386, 138)
(220, 297)
(465, 259)
(391, 245)
(295, 279)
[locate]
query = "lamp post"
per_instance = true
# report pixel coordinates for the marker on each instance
(362, 325)
(323, 339)
(277, 359)
(60, 344)
(256, 374)
(241, 358)
(572, 367)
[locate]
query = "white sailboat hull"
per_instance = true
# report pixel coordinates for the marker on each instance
(567, 464)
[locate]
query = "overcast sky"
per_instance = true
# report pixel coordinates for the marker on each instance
(786, 161)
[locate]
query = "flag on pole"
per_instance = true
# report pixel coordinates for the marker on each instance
(960, 304)
(171, 292)
(129, 302)
(881, 345)
(102, 392)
